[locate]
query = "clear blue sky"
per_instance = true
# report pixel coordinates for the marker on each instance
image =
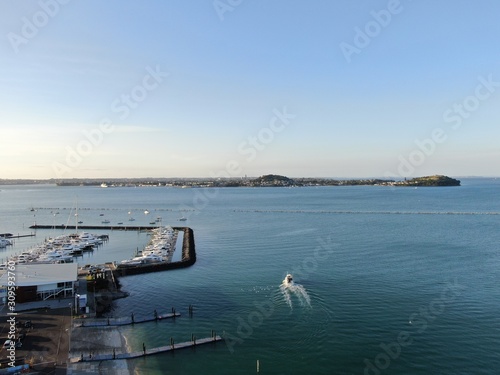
(193, 88)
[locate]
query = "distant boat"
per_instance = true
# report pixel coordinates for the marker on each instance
(5, 242)
(288, 279)
(101, 214)
(183, 218)
(120, 223)
(80, 222)
(146, 212)
(104, 185)
(131, 219)
(106, 221)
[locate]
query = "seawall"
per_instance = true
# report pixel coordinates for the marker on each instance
(187, 260)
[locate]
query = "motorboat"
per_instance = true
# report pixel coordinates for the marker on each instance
(133, 262)
(4, 242)
(288, 279)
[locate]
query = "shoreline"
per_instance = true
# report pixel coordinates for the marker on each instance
(103, 341)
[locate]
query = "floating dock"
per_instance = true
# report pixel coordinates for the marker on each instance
(146, 352)
(113, 322)
(10, 235)
(95, 227)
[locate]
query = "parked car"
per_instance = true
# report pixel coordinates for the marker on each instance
(8, 343)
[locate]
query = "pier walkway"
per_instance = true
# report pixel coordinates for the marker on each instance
(146, 352)
(113, 322)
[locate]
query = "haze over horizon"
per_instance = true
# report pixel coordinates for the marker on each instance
(232, 88)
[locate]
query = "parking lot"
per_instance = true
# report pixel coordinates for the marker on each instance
(44, 335)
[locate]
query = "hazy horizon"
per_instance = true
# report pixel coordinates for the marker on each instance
(228, 89)
(239, 177)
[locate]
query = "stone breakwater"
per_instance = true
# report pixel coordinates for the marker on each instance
(187, 260)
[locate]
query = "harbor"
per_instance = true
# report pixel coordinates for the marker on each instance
(87, 312)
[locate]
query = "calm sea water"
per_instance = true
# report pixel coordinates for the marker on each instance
(387, 280)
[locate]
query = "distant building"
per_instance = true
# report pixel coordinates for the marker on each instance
(40, 282)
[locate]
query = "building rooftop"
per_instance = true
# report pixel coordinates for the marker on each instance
(41, 274)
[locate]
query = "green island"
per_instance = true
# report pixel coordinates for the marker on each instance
(269, 180)
(436, 180)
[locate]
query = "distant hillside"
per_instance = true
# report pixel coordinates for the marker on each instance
(272, 180)
(436, 180)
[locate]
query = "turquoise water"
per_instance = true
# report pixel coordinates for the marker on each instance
(388, 280)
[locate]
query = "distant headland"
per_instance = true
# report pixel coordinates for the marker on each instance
(269, 180)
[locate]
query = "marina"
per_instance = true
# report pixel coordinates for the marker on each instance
(59, 249)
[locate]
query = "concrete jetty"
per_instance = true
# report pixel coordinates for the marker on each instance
(146, 352)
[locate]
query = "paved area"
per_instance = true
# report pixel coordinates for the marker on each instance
(46, 343)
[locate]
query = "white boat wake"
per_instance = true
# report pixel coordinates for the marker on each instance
(289, 289)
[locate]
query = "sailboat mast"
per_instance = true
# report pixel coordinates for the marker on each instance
(76, 215)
